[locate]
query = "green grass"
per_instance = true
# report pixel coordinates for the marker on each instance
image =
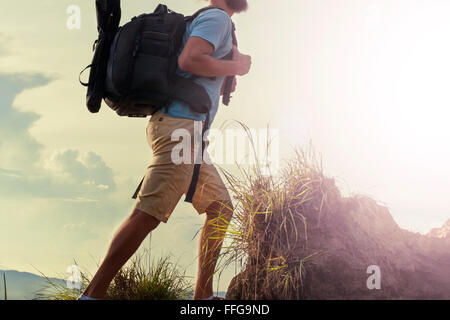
(162, 280)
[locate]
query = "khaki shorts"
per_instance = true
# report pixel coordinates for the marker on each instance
(165, 182)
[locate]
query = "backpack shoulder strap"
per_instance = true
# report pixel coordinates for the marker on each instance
(195, 15)
(228, 83)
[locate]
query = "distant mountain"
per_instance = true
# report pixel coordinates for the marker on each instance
(441, 233)
(22, 285)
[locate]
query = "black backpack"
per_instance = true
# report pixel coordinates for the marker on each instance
(140, 76)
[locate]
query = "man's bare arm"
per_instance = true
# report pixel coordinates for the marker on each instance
(196, 58)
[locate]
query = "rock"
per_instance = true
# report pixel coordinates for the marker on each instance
(351, 235)
(441, 233)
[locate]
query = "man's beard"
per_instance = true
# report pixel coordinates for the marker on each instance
(237, 5)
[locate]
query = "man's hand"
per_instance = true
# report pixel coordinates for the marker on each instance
(243, 62)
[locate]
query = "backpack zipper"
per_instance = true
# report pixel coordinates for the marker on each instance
(137, 45)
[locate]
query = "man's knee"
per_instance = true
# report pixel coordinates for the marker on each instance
(223, 209)
(144, 220)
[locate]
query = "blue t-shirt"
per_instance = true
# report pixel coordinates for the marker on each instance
(214, 26)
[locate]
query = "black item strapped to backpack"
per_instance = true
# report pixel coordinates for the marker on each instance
(134, 67)
(108, 19)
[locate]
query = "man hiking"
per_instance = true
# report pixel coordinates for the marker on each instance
(207, 40)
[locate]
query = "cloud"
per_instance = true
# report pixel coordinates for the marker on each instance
(66, 174)
(85, 175)
(18, 149)
(69, 178)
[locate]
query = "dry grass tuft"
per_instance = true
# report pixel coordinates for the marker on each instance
(268, 235)
(162, 280)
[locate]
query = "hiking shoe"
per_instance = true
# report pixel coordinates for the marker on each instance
(84, 297)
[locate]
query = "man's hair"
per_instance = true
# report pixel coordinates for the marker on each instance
(236, 5)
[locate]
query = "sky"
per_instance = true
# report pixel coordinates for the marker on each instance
(365, 80)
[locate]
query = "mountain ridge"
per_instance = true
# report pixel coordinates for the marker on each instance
(22, 285)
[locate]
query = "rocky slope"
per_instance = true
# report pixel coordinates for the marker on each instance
(353, 234)
(440, 233)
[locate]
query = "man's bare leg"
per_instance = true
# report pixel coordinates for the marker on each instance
(209, 249)
(124, 244)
